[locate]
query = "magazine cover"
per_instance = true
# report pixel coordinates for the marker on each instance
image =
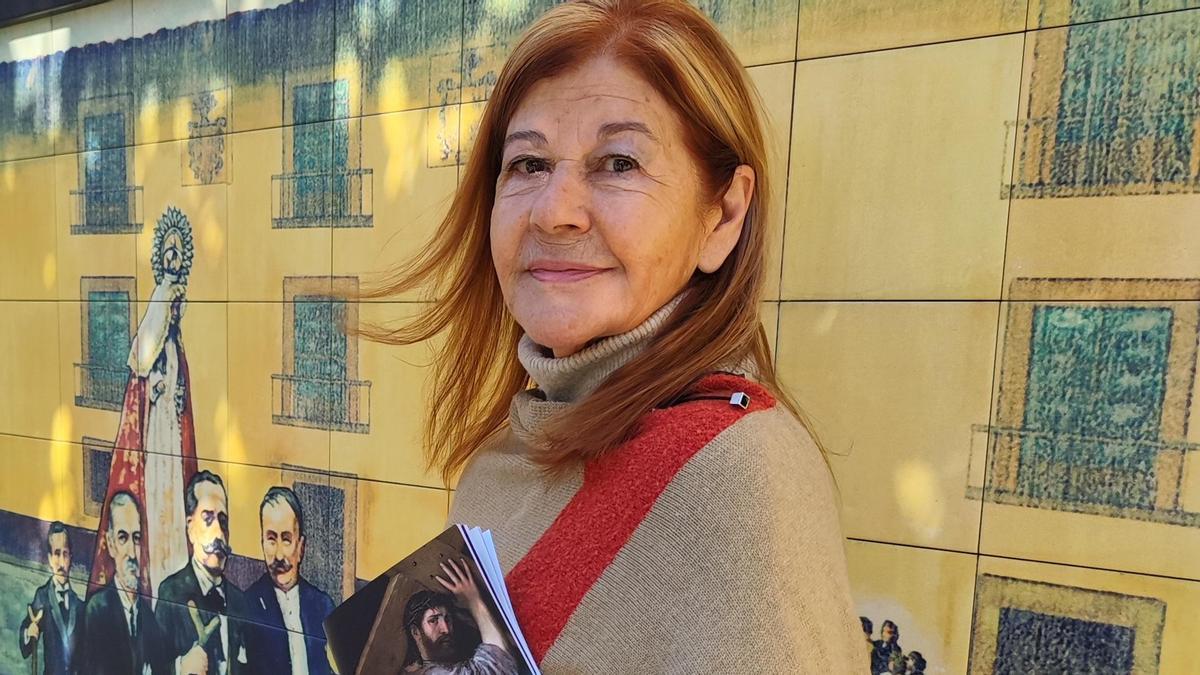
(435, 612)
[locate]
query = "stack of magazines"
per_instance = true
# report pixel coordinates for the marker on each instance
(444, 610)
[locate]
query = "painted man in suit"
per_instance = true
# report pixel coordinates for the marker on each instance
(119, 633)
(287, 610)
(207, 637)
(54, 613)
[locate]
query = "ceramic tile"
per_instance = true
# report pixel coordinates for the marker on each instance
(275, 414)
(774, 84)
(26, 40)
(41, 481)
(393, 521)
(92, 81)
(150, 16)
(29, 392)
(925, 594)
(1089, 457)
(392, 385)
(760, 32)
(189, 218)
(830, 27)
(29, 256)
(99, 210)
(770, 322)
(490, 30)
(1116, 622)
(96, 337)
(893, 389)
(274, 84)
(1046, 13)
(25, 68)
(406, 192)
(180, 68)
(104, 22)
(18, 585)
(921, 219)
(1097, 193)
(406, 55)
(280, 207)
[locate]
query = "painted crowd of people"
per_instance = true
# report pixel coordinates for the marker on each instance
(198, 622)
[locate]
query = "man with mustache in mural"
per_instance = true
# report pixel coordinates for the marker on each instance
(52, 616)
(286, 633)
(120, 635)
(201, 612)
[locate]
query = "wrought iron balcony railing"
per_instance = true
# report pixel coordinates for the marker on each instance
(107, 210)
(100, 386)
(322, 199)
(1143, 479)
(318, 403)
(1152, 151)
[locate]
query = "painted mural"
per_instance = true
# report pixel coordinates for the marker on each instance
(198, 460)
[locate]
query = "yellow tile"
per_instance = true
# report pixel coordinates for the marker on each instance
(29, 370)
(880, 204)
(407, 55)
(256, 366)
(152, 15)
(26, 40)
(774, 84)
(1046, 13)
(760, 32)
(893, 389)
(926, 593)
(843, 27)
(158, 167)
(261, 255)
(91, 390)
(105, 22)
(1057, 487)
(392, 448)
(265, 82)
(1158, 612)
(42, 479)
(82, 249)
(406, 192)
(770, 321)
(29, 256)
(393, 521)
(1070, 215)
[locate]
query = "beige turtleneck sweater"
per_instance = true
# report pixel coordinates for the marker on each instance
(709, 542)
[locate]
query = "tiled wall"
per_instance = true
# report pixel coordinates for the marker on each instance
(985, 288)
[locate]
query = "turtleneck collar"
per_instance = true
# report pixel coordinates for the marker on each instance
(562, 381)
(570, 378)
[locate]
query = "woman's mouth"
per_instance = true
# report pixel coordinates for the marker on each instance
(558, 273)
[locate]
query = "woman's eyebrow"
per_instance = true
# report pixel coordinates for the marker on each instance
(534, 137)
(613, 128)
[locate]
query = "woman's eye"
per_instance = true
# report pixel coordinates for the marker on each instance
(619, 164)
(529, 165)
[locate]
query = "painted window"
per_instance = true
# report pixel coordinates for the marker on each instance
(1031, 642)
(106, 201)
(320, 359)
(106, 342)
(1094, 402)
(320, 148)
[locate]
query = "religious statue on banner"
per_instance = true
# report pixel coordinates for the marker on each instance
(154, 456)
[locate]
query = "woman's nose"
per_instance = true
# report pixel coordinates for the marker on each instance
(562, 203)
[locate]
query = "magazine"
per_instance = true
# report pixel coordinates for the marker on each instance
(444, 610)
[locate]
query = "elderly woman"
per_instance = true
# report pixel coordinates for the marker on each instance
(657, 503)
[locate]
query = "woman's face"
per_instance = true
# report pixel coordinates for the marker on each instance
(599, 217)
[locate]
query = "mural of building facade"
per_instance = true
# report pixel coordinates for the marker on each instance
(985, 289)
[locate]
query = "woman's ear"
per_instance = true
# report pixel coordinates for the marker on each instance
(724, 221)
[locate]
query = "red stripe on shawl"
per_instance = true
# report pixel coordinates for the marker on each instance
(618, 490)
